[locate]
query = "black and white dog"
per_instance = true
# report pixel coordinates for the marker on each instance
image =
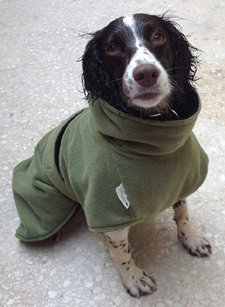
(141, 64)
(144, 66)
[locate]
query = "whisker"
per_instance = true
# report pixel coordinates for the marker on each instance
(175, 85)
(113, 81)
(176, 68)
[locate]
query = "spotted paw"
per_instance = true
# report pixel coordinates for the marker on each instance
(195, 244)
(139, 283)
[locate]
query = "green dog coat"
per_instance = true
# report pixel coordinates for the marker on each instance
(121, 169)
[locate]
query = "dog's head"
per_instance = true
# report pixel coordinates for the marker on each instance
(138, 61)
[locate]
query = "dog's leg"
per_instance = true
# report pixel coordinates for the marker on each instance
(135, 280)
(190, 239)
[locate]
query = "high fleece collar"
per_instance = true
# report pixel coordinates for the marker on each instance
(140, 136)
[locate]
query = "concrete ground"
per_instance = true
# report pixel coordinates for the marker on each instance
(39, 86)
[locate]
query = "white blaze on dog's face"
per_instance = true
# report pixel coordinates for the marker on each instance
(145, 81)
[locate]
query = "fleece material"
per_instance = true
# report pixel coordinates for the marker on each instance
(121, 169)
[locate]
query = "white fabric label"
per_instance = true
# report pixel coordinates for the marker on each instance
(122, 196)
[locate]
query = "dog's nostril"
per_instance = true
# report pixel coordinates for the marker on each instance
(146, 74)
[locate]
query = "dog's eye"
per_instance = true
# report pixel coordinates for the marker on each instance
(158, 38)
(112, 49)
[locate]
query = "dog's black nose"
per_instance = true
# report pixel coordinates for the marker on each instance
(146, 74)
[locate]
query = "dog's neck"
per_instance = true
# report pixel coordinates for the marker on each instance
(181, 104)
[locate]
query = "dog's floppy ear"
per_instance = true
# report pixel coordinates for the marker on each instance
(96, 80)
(184, 61)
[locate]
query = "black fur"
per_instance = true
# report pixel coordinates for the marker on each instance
(102, 76)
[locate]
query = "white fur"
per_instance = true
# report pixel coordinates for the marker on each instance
(129, 22)
(143, 56)
(136, 280)
(196, 244)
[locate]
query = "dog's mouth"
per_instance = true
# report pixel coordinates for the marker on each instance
(147, 96)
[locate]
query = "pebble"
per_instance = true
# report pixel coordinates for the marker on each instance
(100, 243)
(117, 301)
(100, 296)
(10, 302)
(40, 278)
(67, 299)
(169, 302)
(199, 296)
(99, 278)
(97, 290)
(66, 283)
(52, 272)
(52, 294)
(97, 269)
(113, 284)
(88, 284)
(220, 263)
(44, 259)
(79, 260)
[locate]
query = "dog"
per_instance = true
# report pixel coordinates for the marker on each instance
(143, 65)
(128, 156)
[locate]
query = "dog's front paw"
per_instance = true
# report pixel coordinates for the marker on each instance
(139, 283)
(195, 244)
